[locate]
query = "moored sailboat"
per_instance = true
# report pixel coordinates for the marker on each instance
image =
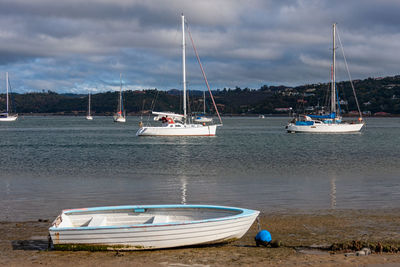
(8, 116)
(177, 124)
(201, 118)
(119, 116)
(331, 122)
(89, 116)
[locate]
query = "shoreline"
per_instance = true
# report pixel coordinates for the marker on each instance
(83, 114)
(306, 239)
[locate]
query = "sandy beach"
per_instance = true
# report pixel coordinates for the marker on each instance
(323, 238)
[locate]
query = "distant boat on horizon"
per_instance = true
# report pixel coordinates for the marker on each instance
(7, 116)
(201, 118)
(89, 116)
(119, 116)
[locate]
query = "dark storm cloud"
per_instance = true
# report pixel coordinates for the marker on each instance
(75, 45)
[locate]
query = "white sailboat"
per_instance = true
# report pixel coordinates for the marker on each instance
(202, 117)
(177, 124)
(120, 115)
(332, 122)
(7, 116)
(89, 116)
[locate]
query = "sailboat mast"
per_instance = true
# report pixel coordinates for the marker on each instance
(120, 93)
(89, 105)
(7, 89)
(184, 68)
(333, 91)
(204, 102)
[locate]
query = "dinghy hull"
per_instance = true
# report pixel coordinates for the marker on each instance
(149, 227)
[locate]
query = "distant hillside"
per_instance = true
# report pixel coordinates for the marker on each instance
(375, 95)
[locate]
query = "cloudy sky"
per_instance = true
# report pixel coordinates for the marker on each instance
(75, 45)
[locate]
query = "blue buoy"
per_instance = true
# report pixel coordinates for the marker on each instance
(263, 238)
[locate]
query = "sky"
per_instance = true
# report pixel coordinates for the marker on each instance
(73, 46)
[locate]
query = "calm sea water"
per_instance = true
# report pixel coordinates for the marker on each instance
(53, 163)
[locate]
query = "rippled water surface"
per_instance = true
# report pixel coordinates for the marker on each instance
(53, 163)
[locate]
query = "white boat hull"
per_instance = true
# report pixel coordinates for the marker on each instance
(9, 118)
(119, 119)
(325, 128)
(203, 119)
(183, 130)
(177, 228)
(89, 118)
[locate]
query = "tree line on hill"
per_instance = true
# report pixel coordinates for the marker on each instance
(375, 96)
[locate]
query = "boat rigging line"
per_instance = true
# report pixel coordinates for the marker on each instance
(204, 74)
(348, 72)
(153, 104)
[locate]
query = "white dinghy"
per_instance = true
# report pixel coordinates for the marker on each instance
(149, 226)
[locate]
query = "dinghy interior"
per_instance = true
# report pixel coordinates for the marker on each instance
(146, 215)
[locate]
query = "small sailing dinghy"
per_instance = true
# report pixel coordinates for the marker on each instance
(120, 115)
(149, 227)
(7, 116)
(332, 122)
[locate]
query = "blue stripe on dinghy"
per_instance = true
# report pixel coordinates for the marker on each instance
(244, 213)
(154, 207)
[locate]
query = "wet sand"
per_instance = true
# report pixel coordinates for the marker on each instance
(307, 240)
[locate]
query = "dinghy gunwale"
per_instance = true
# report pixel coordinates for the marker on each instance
(243, 213)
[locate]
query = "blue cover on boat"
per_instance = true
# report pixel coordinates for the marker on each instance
(329, 116)
(304, 123)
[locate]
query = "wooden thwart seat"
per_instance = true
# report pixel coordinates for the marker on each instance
(160, 219)
(98, 221)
